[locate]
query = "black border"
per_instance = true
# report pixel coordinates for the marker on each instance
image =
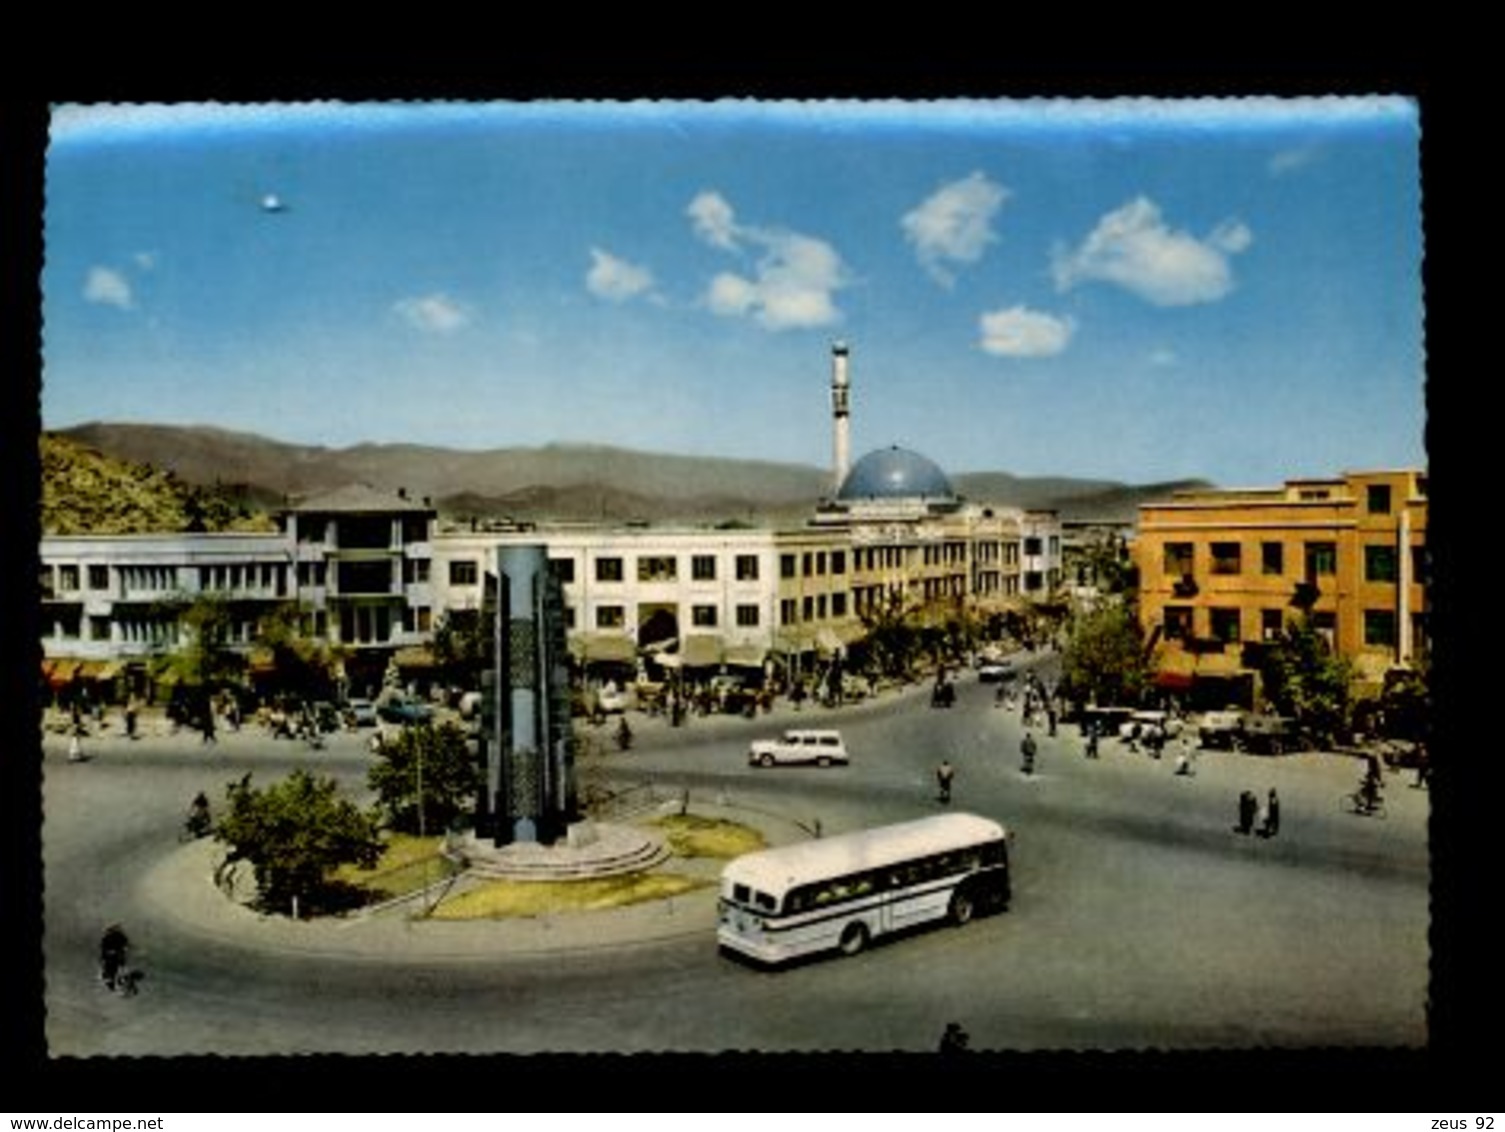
(274, 60)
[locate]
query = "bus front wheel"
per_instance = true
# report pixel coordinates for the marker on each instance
(853, 939)
(961, 907)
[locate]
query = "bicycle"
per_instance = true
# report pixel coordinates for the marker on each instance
(1362, 804)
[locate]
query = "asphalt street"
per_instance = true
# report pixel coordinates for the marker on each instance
(1140, 920)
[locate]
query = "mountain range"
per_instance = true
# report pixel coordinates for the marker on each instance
(556, 481)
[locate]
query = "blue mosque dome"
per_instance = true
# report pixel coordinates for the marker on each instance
(894, 474)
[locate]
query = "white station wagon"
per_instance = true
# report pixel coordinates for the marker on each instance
(823, 748)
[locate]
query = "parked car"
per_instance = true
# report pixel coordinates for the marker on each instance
(1148, 721)
(822, 748)
(360, 713)
(1270, 735)
(612, 700)
(1107, 720)
(405, 711)
(1221, 730)
(995, 671)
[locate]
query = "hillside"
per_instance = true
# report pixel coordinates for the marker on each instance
(558, 481)
(87, 492)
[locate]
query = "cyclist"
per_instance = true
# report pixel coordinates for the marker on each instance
(113, 949)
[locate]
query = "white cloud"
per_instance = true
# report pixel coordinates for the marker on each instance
(1163, 357)
(954, 224)
(146, 261)
(792, 284)
(714, 220)
(1134, 248)
(107, 286)
(616, 279)
(433, 314)
(1290, 160)
(1018, 332)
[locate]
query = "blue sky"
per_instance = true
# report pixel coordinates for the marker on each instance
(1129, 290)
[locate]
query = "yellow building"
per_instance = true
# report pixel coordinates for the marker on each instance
(1222, 571)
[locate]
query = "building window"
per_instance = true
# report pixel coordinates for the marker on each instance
(1271, 623)
(1178, 559)
(786, 566)
(67, 578)
(657, 568)
(703, 616)
(838, 605)
(1177, 622)
(1379, 498)
(415, 528)
(1272, 558)
(425, 619)
(747, 616)
(563, 570)
(747, 567)
(569, 617)
(807, 609)
(608, 569)
(1224, 625)
(463, 572)
(838, 562)
(311, 530)
(703, 567)
(820, 607)
(1313, 494)
(371, 577)
(807, 564)
(1321, 558)
(1034, 581)
(99, 628)
(610, 617)
(1381, 564)
(788, 611)
(1325, 624)
(1379, 627)
(99, 577)
(1032, 546)
(45, 580)
(1227, 558)
(415, 570)
(820, 562)
(364, 532)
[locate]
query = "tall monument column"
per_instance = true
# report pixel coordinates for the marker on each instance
(841, 431)
(529, 790)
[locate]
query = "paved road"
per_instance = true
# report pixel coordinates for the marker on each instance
(1140, 919)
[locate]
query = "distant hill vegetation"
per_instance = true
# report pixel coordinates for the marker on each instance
(87, 492)
(563, 482)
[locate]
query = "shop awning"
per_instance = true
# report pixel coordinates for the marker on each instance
(666, 659)
(746, 656)
(826, 639)
(60, 671)
(605, 647)
(701, 650)
(414, 656)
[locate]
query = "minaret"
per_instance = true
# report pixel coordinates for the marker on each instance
(841, 429)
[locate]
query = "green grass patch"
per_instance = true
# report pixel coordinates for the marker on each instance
(406, 865)
(507, 898)
(689, 835)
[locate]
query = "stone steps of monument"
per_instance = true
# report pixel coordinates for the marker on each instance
(600, 860)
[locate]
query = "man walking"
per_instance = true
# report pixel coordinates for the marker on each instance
(1246, 807)
(1272, 815)
(1027, 752)
(943, 776)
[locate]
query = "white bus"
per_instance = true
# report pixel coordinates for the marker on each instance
(841, 892)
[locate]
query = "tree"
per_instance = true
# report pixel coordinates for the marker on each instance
(462, 646)
(1105, 660)
(891, 637)
(300, 666)
(431, 766)
(294, 833)
(1304, 678)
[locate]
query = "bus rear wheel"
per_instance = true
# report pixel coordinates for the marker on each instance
(853, 938)
(962, 907)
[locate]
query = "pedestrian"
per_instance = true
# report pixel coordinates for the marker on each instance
(1272, 815)
(1050, 716)
(209, 724)
(943, 776)
(1027, 752)
(130, 718)
(1246, 808)
(1092, 740)
(75, 748)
